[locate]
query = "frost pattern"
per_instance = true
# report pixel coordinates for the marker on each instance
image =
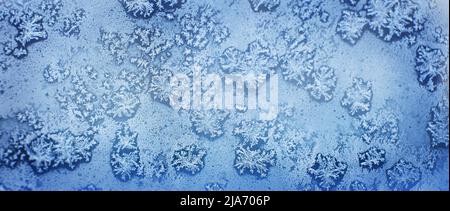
(46, 151)
(254, 161)
(297, 67)
(403, 175)
(71, 25)
(323, 84)
(357, 99)
(151, 41)
(156, 166)
(350, 2)
(351, 26)
(148, 8)
(252, 133)
(327, 171)
(256, 58)
(306, 9)
(52, 8)
(189, 159)
(394, 19)
(121, 104)
(208, 122)
(430, 67)
(264, 5)
(373, 158)
(357, 186)
(125, 158)
(81, 101)
(56, 72)
(115, 44)
(70, 150)
(437, 127)
(383, 128)
(199, 29)
(29, 30)
(160, 86)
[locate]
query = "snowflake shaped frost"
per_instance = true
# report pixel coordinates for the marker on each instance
(257, 58)
(393, 19)
(121, 104)
(357, 98)
(256, 162)
(208, 122)
(297, 67)
(403, 175)
(327, 171)
(323, 84)
(189, 159)
(252, 133)
(430, 67)
(351, 26)
(383, 128)
(373, 158)
(125, 156)
(70, 149)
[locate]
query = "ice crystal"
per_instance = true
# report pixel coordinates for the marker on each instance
(297, 66)
(383, 128)
(157, 166)
(56, 72)
(125, 165)
(264, 5)
(306, 9)
(323, 84)
(430, 67)
(52, 9)
(255, 59)
(297, 145)
(254, 161)
(373, 158)
(81, 102)
(201, 28)
(139, 8)
(151, 41)
(115, 44)
(90, 187)
(208, 122)
(160, 86)
(351, 26)
(189, 159)
(46, 151)
(71, 25)
(40, 153)
(403, 175)
(357, 98)
(125, 157)
(121, 104)
(327, 171)
(214, 186)
(134, 81)
(393, 19)
(70, 149)
(350, 2)
(437, 127)
(30, 30)
(252, 133)
(357, 185)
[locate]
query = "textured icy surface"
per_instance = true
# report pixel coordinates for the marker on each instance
(84, 101)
